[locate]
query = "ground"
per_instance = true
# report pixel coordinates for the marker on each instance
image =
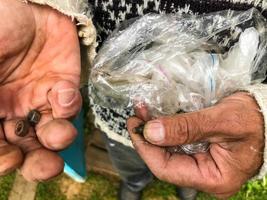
(99, 187)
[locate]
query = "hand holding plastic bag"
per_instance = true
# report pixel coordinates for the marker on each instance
(176, 63)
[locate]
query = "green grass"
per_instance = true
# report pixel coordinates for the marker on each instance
(159, 190)
(50, 191)
(98, 187)
(253, 190)
(6, 183)
(256, 190)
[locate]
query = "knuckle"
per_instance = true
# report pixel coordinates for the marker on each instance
(188, 128)
(180, 130)
(208, 122)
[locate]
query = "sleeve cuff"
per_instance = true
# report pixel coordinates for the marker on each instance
(259, 91)
(78, 9)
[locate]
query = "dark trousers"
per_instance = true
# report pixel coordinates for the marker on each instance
(131, 168)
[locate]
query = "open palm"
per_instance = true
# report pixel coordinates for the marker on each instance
(39, 69)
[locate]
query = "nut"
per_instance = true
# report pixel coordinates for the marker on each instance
(34, 117)
(22, 128)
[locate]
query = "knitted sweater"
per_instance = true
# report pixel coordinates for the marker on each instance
(108, 14)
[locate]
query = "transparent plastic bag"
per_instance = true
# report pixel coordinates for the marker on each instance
(180, 63)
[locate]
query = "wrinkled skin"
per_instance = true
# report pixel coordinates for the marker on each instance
(39, 69)
(235, 129)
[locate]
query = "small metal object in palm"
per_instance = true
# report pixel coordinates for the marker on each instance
(34, 117)
(139, 130)
(23, 126)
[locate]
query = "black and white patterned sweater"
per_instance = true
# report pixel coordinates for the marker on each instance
(108, 14)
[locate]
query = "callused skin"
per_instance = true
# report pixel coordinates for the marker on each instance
(235, 129)
(39, 69)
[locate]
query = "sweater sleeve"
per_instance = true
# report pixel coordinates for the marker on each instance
(259, 91)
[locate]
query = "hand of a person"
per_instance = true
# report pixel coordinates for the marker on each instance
(235, 129)
(39, 69)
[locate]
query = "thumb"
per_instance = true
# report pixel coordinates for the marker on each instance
(182, 128)
(65, 99)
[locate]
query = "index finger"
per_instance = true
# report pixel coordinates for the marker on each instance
(141, 111)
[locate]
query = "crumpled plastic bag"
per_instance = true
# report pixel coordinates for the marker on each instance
(180, 63)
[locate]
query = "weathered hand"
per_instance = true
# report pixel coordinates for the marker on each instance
(39, 69)
(234, 127)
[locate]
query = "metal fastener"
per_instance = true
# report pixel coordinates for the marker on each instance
(34, 117)
(139, 130)
(22, 128)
